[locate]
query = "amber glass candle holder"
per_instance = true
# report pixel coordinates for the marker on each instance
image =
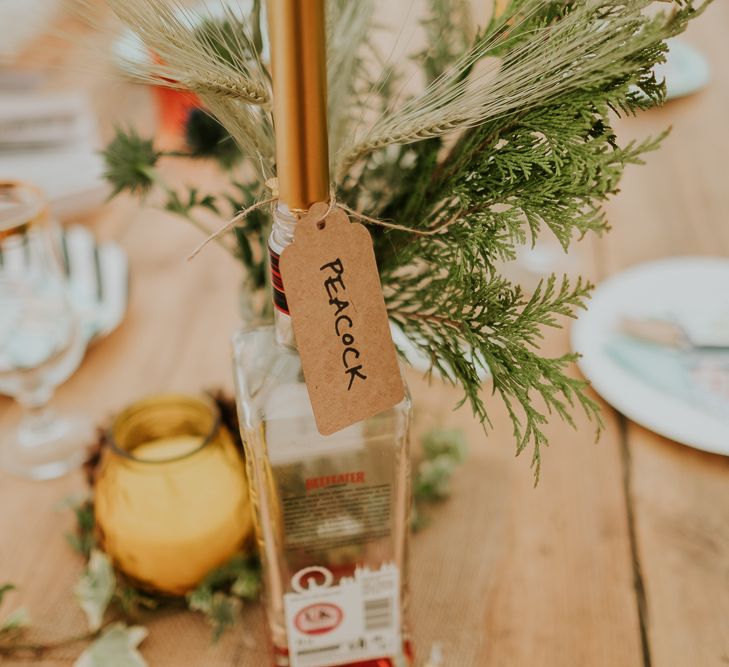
(171, 497)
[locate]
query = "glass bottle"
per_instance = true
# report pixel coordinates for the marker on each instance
(331, 512)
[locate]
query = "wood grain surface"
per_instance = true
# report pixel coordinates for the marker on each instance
(619, 558)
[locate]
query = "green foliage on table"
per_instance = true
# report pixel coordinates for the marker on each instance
(220, 595)
(444, 450)
(16, 620)
(4, 589)
(115, 606)
(12, 625)
(83, 538)
(510, 138)
(96, 588)
(115, 647)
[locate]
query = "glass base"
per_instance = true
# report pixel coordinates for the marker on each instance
(57, 448)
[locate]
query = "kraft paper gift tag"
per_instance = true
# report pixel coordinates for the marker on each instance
(339, 318)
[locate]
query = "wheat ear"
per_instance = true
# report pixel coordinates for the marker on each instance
(578, 50)
(186, 57)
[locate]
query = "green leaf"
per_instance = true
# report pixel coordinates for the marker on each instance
(84, 539)
(192, 197)
(220, 610)
(175, 205)
(116, 647)
(5, 588)
(433, 478)
(96, 588)
(247, 584)
(201, 599)
(244, 247)
(132, 601)
(208, 201)
(220, 595)
(445, 442)
(223, 614)
(418, 520)
(20, 618)
(130, 162)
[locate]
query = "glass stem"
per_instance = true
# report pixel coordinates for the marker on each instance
(37, 414)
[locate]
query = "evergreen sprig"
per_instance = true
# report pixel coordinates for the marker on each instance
(545, 169)
(510, 138)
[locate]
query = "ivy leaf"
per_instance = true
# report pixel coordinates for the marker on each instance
(443, 451)
(220, 610)
(116, 647)
(5, 588)
(96, 588)
(220, 595)
(223, 614)
(16, 620)
(247, 585)
(201, 599)
(133, 602)
(433, 479)
(446, 442)
(83, 540)
(418, 520)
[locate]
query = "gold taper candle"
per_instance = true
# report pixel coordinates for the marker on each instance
(298, 63)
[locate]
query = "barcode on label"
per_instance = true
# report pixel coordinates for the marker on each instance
(378, 614)
(321, 650)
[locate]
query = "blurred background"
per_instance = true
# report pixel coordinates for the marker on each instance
(619, 557)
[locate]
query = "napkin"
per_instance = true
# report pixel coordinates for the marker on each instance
(50, 140)
(700, 378)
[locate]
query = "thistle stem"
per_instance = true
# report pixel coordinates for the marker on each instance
(156, 177)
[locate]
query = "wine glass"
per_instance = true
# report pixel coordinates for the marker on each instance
(42, 340)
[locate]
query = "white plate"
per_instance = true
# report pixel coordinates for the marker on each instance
(686, 71)
(682, 287)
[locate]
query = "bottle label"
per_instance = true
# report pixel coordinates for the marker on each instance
(357, 619)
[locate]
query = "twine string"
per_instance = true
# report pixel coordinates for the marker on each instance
(239, 217)
(392, 225)
(333, 203)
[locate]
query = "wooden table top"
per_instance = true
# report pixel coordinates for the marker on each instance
(619, 558)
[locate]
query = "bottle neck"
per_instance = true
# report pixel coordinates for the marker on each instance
(282, 235)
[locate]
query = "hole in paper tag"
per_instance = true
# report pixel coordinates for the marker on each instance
(340, 321)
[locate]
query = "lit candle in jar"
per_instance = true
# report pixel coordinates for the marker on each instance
(171, 498)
